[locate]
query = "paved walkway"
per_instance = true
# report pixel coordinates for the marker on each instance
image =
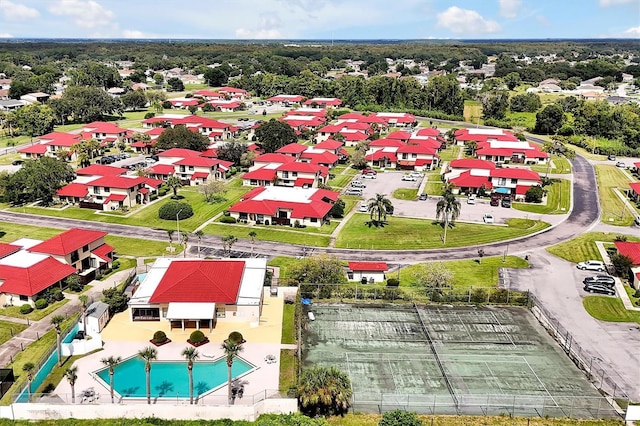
(622, 293)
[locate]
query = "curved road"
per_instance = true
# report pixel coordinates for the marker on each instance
(584, 214)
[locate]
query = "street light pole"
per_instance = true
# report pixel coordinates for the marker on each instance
(178, 222)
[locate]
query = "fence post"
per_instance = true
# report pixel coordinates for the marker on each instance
(469, 298)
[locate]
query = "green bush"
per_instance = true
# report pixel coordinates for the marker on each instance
(399, 418)
(26, 309)
(41, 303)
(149, 115)
(636, 293)
(479, 295)
(197, 337)
(162, 191)
(227, 219)
(174, 209)
(393, 282)
(159, 337)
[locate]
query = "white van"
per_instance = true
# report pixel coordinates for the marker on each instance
(353, 191)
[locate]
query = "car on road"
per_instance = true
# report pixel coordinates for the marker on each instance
(423, 197)
(353, 191)
(369, 176)
(409, 178)
(611, 157)
(471, 199)
(621, 165)
(607, 280)
(591, 265)
(487, 218)
(506, 202)
(417, 175)
(599, 288)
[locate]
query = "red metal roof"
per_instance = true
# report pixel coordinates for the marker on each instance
(299, 167)
(286, 98)
(261, 174)
(515, 173)
(403, 136)
(629, 249)
(179, 152)
(387, 143)
(428, 131)
(292, 148)
(417, 149)
(354, 136)
(143, 191)
(60, 139)
(38, 148)
(472, 163)
(324, 102)
(522, 189)
(161, 169)
(115, 197)
(378, 155)
(154, 183)
(34, 279)
(197, 162)
(467, 180)
(635, 186)
(100, 170)
(212, 281)
(7, 249)
(68, 241)
(325, 157)
(73, 190)
(329, 144)
(368, 266)
(273, 158)
(303, 181)
(199, 175)
(120, 182)
(104, 252)
(103, 127)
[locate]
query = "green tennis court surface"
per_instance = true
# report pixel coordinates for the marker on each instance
(448, 360)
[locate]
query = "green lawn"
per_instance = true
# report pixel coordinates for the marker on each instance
(614, 211)
(470, 273)
(558, 200)
(284, 263)
(6, 327)
(522, 119)
(451, 153)
(288, 370)
(269, 234)
(403, 233)
(560, 165)
(340, 181)
(35, 315)
(405, 194)
(609, 309)
(583, 247)
(373, 420)
(288, 325)
(473, 111)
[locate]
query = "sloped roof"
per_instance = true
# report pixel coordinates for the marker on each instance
(73, 190)
(472, 163)
(7, 249)
(101, 170)
(292, 148)
(120, 182)
(515, 173)
(161, 169)
(179, 152)
(467, 180)
(629, 249)
(68, 241)
(103, 252)
(38, 148)
(368, 266)
(35, 278)
(262, 173)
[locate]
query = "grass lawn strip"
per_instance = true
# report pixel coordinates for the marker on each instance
(6, 327)
(614, 210)
(374, 419)
(284, 263)
(275, 235)
(609, 309)
(405, 233)
(584, 247)
(470, 273)
(288, 326)
(558, 200)
(405, 194)
(57, 375)
(288, 368)
(36, 314)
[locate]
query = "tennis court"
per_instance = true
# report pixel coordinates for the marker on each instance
(449, 360)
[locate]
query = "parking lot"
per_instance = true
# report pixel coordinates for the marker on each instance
(387, 182)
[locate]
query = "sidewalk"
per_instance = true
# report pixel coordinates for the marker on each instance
(622, 293)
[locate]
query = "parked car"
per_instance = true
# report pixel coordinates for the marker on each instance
(423, 197)
(471, 199)
(358, 184)
(363, 207)
(611, 157)
(495, 201)
(506, 202)
(353, 191)
(607, 280)
(591, 265)
(17, 162)
(621, 165)
(366, 171)
(369, 176)
(487, 218)
(599, 288)
(416, 174)
(637, 220)
(409, 178)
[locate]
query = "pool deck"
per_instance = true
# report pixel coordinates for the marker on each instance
(123, 337)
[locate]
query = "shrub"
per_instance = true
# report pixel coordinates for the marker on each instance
(197, 337)
(162, 191)
(500, 295)
(399, 418)
(534, 194)
(170, 210)
(266, 222)
(478, 295)
(57, 295)
(227, 219)
(620, 238)
(41, 303)
(159, 337)
(636, 293)
(393, 282)
(26, 309)
(149, 115)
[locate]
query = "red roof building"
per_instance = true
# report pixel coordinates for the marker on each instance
(366, 272)
(323, 102)
(286, 99)
(629, 249)
(68, 242)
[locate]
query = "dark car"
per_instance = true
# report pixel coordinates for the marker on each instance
(599, 288)
(611, 157)
(495, 201)
(17, 162)
(423, 197)
(600, 279)
(506, 202)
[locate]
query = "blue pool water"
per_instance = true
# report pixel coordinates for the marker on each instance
(170, 379)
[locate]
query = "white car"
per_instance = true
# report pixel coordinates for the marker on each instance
(487, 218)
(409, 178)
(591, 265)
(416, 174)
(363, 208)
(369, 176)
(471, 199)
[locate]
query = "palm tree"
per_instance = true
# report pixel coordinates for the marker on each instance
(111, 362)
(378, 207)
(29, 368)
(199, 234)
(448, 208)
(148, 354)
(84, 302)
(72, 375)
(325, 390)
(174, 184)
(185, 238)
(190, 354)
(57, 321)
(232, 347)
(170, 233)
(228, 242)
(253, 236)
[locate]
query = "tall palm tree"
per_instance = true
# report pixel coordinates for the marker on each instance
(324, 390)
(170, 233)
(190, 354)
(378, 207)
(232, 347)
(253, 236)
(447, 209)
(184, 236)
(199, 234)
(57, 321)
(29, 368)
(84, 302)
(174, 184)
(111, 362)
(148, 354)
(228, 242)
(72, 375)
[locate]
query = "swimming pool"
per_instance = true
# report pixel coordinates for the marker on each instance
(170, 379)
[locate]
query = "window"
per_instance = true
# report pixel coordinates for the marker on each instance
(24, 298)
(107, 189)
(285, 174)
(182, 168)
(191, 168)
(313, 220)
(502, 181)
(294, 174)
(85, 248)
(414, 155)
(96, 189)
(75, 257)
(221, 313)
(514, 181)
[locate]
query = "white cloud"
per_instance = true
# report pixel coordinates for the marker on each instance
(133, 34)
(633, 32)
(510, 8)
(268, 27)
(460, 21)
(608, 3)
(5, 35)
(16, 11)
(85, 14)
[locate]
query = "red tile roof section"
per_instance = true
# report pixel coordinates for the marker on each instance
(368, 266)
(34, 279)
(629, 249)
(104, 252)
(68, 241)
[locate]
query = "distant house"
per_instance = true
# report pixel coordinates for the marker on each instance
(367, 272)
(323, 102)
(234, 92)
(632, 251)
(97, 317)
(104, 132)
(286, 100)
(37, 97)
(50, 144)
(397, 119)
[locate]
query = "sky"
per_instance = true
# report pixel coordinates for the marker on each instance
(320, 19)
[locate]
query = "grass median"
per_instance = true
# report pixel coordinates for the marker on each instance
(558, 200)
(610, 309)
(285, 235)
(614, 210)
(9, 329)
(584, 247)
(405, 233)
